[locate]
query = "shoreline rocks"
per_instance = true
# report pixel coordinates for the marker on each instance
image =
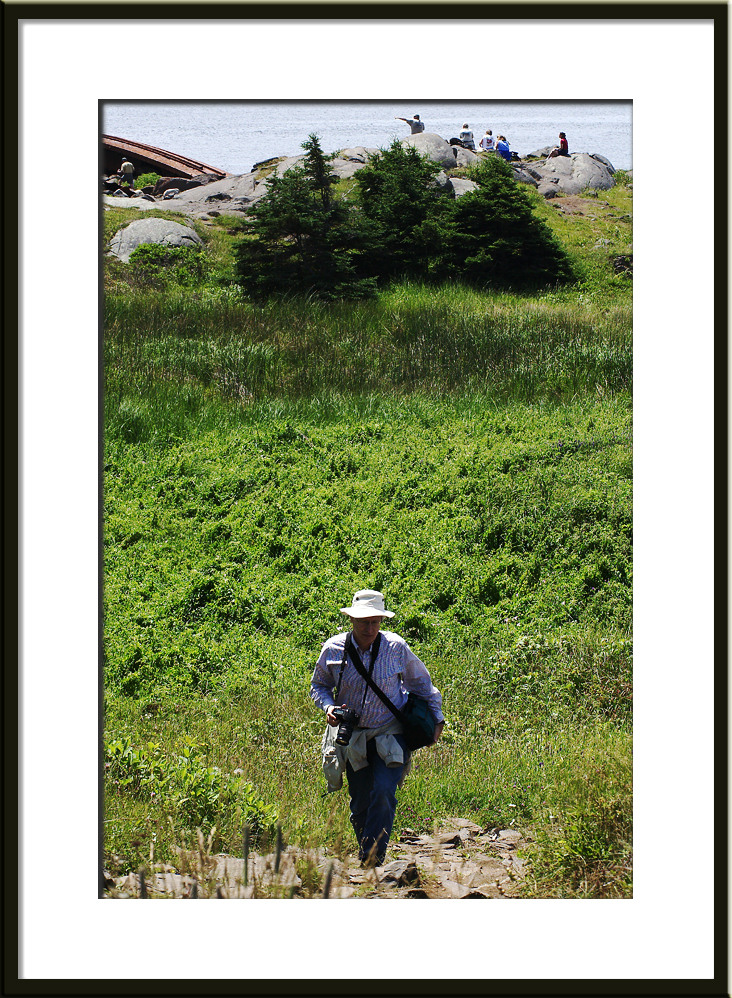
(570, 174)
(550, 176)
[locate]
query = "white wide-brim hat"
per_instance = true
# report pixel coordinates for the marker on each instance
(367, 603)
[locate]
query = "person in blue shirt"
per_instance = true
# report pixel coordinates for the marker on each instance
(502, 148)
(375, 757)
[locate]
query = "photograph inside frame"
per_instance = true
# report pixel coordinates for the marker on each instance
(368, 466)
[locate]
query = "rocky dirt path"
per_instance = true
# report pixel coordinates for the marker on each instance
(462, 860)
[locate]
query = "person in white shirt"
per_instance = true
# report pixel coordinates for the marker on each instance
(375, 753)
(486, 143)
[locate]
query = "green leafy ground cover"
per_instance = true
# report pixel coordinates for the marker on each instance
(465, 518)
(468, 453)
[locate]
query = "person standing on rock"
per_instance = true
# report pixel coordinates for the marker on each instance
(128, 171)
(486, 143)
(372, 750)
(414, 123)
(502, 148)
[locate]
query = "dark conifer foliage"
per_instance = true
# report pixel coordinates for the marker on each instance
(497, 239)
(301, 239)
(409, 212)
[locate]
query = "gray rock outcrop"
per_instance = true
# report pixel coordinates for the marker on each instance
(461, 186)
(357, 154)
(525, 176)
(445, 183)
(549, 188)
(345, 164)
(239, 192)
(571, 174)
(603, 159)
(434, 146)
(180, 184)
(465, 157)
(539, 153)
(197, 196)
(151, 230)
(286, 164)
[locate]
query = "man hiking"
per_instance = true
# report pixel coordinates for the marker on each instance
(363, 736)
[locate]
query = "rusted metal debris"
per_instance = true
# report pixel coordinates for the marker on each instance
(150, 159)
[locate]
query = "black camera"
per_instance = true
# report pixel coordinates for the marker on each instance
(349, 719)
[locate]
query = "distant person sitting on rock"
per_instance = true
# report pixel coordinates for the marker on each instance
(562, 149)
(466, 137)
(486, 143)
(128, 172)
(414, 123)
(502, 148)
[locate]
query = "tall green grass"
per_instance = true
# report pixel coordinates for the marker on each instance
(500, 532)
(155, 346)
(468, 453)
(566, 785)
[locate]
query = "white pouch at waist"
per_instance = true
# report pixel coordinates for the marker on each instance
(336, 756)
(334, 759)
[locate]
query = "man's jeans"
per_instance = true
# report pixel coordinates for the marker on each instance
(373, 802)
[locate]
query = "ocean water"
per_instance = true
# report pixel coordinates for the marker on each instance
(234, 135)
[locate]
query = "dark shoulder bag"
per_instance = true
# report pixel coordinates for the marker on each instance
(417, 720)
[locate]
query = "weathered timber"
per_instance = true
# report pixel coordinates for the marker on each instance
(150, 159)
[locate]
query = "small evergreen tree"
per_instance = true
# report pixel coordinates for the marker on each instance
(403, 204)
(300, 239)
(496, 239)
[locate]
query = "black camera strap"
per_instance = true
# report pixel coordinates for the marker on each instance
(358, 665)
(340, 674)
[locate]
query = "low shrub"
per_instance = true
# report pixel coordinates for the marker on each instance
(199, 796)
(146, 180)
(158, 265)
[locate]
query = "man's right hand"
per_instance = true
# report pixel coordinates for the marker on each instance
(332, 719)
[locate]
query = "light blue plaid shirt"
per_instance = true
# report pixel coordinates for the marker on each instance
(397, 672)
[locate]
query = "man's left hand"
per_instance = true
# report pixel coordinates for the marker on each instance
(438, 732)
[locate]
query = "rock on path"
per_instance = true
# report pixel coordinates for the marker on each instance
(461, 861)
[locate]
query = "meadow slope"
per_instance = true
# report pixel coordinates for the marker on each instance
(469, 453)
